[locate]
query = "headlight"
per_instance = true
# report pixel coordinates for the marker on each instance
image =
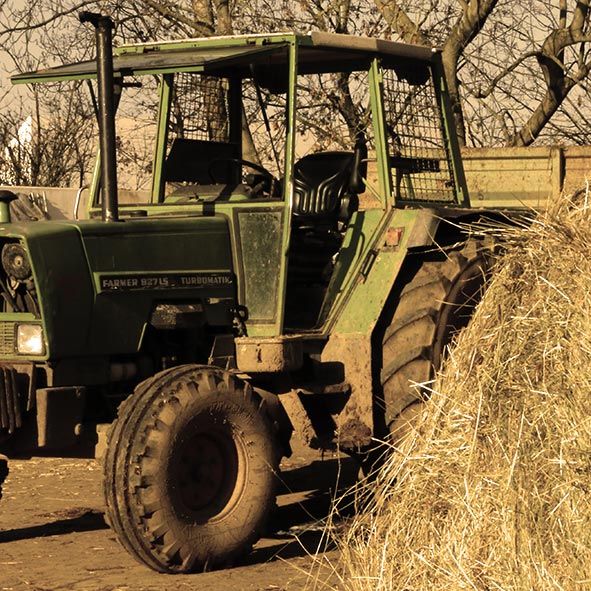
(15, 261)
(29, 339)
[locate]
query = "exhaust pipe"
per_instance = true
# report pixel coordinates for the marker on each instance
(106, 98)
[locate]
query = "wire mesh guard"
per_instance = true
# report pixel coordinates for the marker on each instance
(201, 112)
(199, 108)
(419, 159)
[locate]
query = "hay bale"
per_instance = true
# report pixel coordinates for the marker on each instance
(493, 490)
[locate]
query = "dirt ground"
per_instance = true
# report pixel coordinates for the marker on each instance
(53, 535)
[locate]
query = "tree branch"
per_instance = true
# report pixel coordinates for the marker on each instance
(401, 23)
(43, 23)
(553, 98)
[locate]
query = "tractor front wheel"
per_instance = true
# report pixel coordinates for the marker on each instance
(190, 470)
(3, 471)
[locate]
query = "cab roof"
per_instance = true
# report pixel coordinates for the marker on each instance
(236, 55)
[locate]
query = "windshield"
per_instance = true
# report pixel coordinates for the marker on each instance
(189, 134)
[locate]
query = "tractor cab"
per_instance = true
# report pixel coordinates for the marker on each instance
(292, 139)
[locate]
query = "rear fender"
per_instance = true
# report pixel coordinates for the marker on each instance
(351, 343)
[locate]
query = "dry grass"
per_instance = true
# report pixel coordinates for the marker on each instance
(493, 490)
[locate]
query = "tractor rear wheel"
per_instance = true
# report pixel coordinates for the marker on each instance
(190, 470)
(435, 304)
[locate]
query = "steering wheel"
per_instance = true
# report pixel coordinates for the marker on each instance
(266, 185)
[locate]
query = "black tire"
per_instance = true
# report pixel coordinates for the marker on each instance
(436, 303)
(3, 471)
(190, 470)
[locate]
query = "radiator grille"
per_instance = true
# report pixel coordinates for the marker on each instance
(7, 337)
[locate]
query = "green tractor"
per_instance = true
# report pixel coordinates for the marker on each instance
(259, 288)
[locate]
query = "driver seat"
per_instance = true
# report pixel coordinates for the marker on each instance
(326, 188)
(326, 185)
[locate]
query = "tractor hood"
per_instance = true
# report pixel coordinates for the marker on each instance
(97, 287)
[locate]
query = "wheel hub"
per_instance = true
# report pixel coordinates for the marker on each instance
(204, 474)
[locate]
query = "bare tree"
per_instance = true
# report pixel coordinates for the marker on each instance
(565, 64)
(510, 66)
(51, 142)
(517, 72)
(58, 149)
